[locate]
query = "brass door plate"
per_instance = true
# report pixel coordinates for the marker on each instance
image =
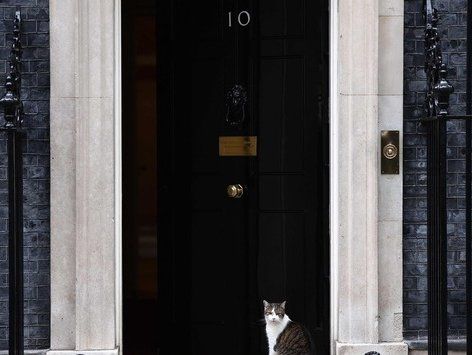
(390, 152)
(238, 146)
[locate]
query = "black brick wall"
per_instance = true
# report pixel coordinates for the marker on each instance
(454, 34)
(35, 93)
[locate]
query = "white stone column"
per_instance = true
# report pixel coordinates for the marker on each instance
(391, 186)
(85, 309)
(357, 152)
(355, 176)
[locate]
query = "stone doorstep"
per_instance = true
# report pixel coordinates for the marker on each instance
(362, 349)
(66, 352)
(82, 352)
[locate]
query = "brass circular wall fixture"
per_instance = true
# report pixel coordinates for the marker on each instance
(390, 151)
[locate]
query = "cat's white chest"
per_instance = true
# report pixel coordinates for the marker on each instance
(273, 330)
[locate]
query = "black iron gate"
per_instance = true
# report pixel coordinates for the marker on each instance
(13, 110)
(436, 109)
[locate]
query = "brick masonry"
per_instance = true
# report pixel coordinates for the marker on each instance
(35, 95)
(453, 29)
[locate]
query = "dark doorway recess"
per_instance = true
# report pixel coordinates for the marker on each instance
(229, 68)
(139, 177)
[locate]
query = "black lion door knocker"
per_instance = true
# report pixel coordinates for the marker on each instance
(236, 100)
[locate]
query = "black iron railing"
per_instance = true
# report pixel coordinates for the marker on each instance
(13, 109)
(436, 109)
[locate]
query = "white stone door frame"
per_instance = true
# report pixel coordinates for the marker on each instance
(366, 93)
(86, 172)
(334, 169)
(118, 182)
(86, 302)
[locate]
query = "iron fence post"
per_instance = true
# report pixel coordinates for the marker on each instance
(436, 109)
(13, 109)
(437, 241)
(15, 240)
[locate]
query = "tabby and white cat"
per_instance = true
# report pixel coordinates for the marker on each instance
(284, 336)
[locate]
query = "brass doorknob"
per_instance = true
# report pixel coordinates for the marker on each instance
(235, 191)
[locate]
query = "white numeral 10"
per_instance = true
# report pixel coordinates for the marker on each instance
(244, 18)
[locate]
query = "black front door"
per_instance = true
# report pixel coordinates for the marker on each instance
(242, 171)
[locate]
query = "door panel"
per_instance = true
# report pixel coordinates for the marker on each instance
(220, 256)
(281, 114)
(292, 185)
(282, 17)
(283, 192)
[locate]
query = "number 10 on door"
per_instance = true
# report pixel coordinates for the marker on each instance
(243, 19)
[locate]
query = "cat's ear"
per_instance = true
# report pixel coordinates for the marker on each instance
(283, 304)
(266, 304)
